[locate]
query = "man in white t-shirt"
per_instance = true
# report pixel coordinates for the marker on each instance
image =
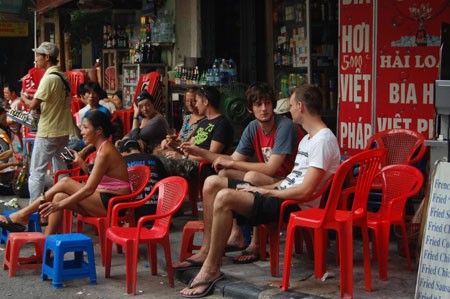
(318, 157)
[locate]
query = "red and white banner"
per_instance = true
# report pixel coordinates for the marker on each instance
(402, 74)
(408, 43)
(355, 74)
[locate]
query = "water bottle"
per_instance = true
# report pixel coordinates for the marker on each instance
(232, 71)
(223, 70)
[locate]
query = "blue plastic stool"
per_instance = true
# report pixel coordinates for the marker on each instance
(33, 223)
(59, 269)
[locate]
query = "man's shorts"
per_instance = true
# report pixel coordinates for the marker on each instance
(265, 209)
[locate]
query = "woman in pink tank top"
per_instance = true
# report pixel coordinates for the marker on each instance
(109, 177)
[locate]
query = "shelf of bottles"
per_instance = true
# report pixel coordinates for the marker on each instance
(222, 71)
(305, 47)
(131, 74)
(291, 47)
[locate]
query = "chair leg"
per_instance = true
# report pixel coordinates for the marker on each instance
(263, 232)
(346, 259)
(274, 245)
(131, 251)
(151, 248)
(288, 256)
(383, 249)
(166, 247)
(366, 256)
(108, 257)
(406, 245)
(320, 257)
(101, 238)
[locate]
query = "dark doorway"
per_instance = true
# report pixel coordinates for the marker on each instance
(235, 29)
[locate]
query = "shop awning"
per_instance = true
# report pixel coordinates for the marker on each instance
(45, 5)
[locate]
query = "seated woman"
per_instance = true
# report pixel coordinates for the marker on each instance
(148, 124)
(214, 133)
(190, 123)
(108, 178)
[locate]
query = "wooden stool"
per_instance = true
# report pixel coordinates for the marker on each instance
(187, 242)
(12, 259)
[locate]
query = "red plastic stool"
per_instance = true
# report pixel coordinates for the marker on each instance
(12, 259)
(187, 241)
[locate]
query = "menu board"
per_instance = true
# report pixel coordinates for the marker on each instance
(433, 277)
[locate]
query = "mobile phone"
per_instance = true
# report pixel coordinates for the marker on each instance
(69, 153)
(242, 186)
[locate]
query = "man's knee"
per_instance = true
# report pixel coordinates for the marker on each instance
(252, 176)
(214, 183)
(223, 198)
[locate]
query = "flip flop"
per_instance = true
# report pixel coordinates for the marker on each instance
(192, 265)
(11, 226)
(209, 283)
(251, 257)
(231, 248)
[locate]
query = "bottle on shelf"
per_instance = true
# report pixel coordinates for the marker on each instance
(223, 69)
(232, 71)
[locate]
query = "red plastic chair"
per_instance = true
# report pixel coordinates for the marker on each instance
(30, 81)
(321, 220)
(76, 78)
(272, 231)
(139, 176)
(171, 193)
(75, 174)
(403, 146)
(150, 82)
(399, 183)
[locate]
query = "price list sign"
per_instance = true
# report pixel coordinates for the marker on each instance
(433, 277)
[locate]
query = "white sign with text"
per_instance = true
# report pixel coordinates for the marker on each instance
(433, 277)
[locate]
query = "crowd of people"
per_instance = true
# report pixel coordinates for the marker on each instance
(276, 158)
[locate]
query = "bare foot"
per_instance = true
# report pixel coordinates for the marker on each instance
(202, 284)
(194, 261)
(15, 218)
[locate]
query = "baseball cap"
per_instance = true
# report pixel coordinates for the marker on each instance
(144, 95)
(128, 144)
(47, 48)
(282, 106)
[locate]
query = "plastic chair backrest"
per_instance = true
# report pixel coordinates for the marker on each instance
(139, 175)
(403, 146)
(399, 183)
(30, 81)
(171, 193)
(76, 78)
(368, 163)
(152, 83)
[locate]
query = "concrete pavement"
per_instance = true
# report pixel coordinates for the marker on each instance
(241, 281)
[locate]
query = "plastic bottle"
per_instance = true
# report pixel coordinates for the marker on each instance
(232, 70)
(223, 69)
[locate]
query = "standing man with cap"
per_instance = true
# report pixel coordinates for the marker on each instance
(55, 123)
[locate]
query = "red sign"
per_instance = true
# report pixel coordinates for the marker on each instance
(408, 43)
(355, 75)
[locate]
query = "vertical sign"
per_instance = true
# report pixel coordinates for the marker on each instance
(355, 74)
(408, 43)
(433, 277)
